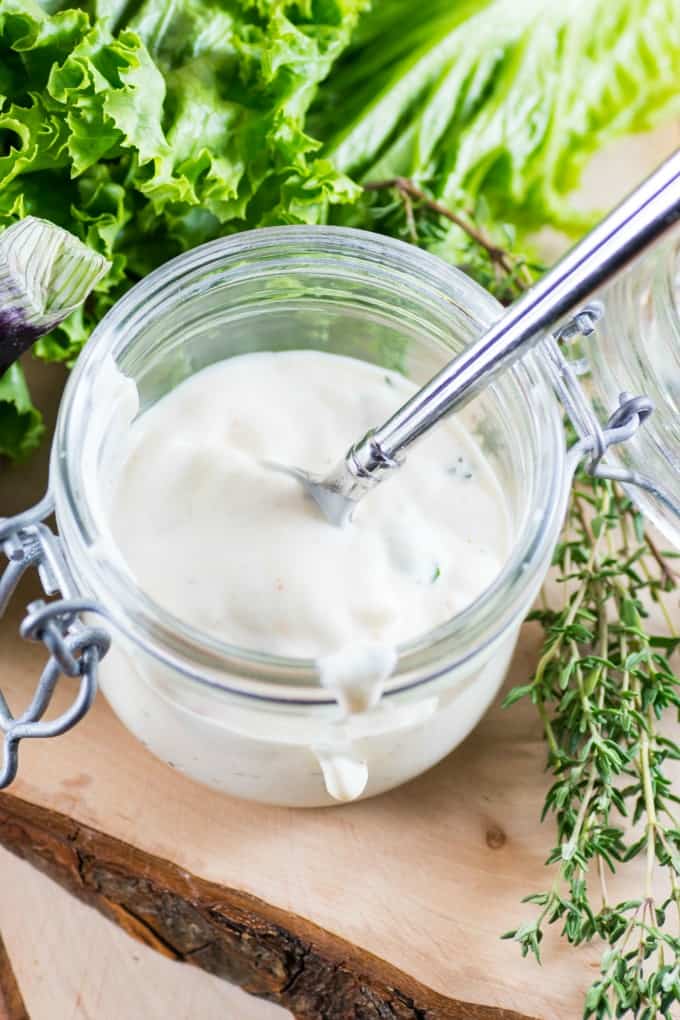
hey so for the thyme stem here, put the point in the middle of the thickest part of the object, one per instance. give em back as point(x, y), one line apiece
point(409, 190)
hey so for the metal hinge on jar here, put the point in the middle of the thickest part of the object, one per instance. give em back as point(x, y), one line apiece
point(594, 438)
point(75, 648)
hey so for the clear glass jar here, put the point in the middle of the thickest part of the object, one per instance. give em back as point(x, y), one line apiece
point(637, 349)
point(247, 723)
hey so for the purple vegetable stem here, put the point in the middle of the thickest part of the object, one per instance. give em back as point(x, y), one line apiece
point(16, 336)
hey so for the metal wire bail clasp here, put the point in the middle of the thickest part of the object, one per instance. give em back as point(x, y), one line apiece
point(74, 647)
point(595, 438)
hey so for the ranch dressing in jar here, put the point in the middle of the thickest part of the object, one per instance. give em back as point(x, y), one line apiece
point(254, 647)
point(230, 546)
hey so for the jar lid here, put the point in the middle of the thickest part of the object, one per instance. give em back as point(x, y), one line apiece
point(636, 350)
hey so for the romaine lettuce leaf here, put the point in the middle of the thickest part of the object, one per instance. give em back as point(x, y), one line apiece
point(505, 99)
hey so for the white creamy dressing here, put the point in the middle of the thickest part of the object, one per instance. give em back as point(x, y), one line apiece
point(232, 547)
point(235, 549)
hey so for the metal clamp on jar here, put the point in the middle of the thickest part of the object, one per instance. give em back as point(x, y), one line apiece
point(261, 726)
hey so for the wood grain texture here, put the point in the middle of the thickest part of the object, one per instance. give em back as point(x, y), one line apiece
point(11, 1001)
point(267, 952)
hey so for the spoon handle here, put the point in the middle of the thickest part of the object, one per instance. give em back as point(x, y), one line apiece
point(640, 220)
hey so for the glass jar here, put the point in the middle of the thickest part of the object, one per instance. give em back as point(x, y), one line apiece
point(637, 349)
point(247, 723)
point(255, 725)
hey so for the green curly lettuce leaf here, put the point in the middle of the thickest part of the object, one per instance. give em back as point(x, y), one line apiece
point(21, 424)
point(192, 109)
point(155, 130)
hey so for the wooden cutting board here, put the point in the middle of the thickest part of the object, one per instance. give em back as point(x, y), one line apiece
point(72, 964)
point(12, 1006)
point(389, 908)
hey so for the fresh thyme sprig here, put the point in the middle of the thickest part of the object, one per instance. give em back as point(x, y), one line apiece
point(604, 690)
point(403, 209)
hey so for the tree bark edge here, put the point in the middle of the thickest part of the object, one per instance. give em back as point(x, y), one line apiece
point(269, 952)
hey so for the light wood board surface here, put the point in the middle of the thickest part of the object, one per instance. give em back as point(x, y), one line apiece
point(12, 1005)
point(426, 877)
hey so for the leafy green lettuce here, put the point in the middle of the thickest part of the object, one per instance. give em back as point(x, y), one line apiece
point(503, 101)
point(151, 133)
point(21, 424)
point(149, 126)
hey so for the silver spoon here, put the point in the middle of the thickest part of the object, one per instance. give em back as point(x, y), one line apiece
point(640, 220)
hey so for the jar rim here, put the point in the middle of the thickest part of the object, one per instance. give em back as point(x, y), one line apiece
point(209, 660)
